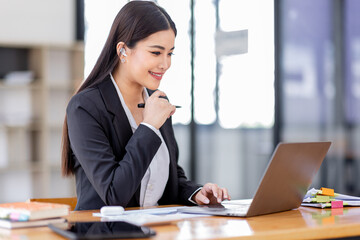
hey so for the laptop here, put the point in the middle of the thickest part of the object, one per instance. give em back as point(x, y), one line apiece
point(283, 186)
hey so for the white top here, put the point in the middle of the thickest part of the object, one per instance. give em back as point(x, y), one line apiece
point(156, 176)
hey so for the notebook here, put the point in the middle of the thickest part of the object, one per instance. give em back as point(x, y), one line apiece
point(283, 186)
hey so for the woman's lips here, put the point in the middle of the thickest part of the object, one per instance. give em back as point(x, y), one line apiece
point(157, 76)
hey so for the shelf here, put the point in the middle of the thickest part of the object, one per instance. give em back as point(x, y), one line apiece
point(34, 85)
point(77, 46)
point(28, 127)
point(31, 167)
point(60, 88)
point(31, 116)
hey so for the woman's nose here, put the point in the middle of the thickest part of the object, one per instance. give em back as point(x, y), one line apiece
point(165, 63)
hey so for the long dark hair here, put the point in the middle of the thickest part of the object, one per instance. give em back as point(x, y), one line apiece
point(134, 22)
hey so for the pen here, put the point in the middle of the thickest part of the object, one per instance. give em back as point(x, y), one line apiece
point(142, 105)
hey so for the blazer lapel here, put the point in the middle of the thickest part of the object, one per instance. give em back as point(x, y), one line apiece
point(114, 106)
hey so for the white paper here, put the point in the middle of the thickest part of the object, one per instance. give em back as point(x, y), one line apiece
point(149, 219)
point(151, 216)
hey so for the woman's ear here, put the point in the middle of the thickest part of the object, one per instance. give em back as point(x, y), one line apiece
point(120, 46)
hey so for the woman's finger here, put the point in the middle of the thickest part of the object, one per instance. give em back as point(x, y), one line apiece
point(220, 196)
point(202, 199)
point(215, 191)
point(226, 194)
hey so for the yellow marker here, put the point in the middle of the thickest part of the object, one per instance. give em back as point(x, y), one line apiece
point(327, 191)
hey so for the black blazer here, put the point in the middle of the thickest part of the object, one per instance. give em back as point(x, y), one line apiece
point(110, 161)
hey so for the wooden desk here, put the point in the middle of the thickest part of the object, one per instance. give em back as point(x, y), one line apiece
point(303, 223)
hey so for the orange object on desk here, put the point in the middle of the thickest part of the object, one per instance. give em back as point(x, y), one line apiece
point(327, 191)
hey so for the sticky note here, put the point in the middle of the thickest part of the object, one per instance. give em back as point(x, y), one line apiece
point(327, 191)
point(336, 204)
point(322, 199)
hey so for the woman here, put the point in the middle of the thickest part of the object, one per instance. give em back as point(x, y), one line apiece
point(122, 154)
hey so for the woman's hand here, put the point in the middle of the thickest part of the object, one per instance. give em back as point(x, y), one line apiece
point(211, 194)
point(157, 110)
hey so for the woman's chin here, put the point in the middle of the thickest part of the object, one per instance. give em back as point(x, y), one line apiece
point(152, 86)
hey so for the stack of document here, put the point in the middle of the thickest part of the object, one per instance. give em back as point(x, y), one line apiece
point(148, 217)
point(326, 198)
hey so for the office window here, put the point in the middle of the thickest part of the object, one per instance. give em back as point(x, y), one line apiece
point(352, 61)
point(308, 65)
point(205, 61)
point(246, 93)
point(232, 44)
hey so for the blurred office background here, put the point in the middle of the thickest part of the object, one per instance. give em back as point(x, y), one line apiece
point(247, 73)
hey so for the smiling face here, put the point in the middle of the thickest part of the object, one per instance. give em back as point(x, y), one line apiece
point(147, 62)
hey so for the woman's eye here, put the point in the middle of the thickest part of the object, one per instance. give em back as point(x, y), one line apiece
point(156, 53)
point(171, 54)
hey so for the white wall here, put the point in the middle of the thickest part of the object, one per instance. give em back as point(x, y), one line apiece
point(37, 21)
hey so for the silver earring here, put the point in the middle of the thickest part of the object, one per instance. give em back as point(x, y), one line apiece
point(123, 60)
point(122, 51)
